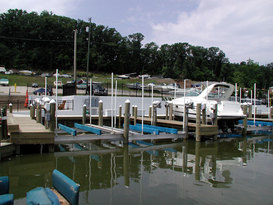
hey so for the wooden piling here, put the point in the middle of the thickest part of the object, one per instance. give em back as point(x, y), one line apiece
point(83, 114)
point(119, 116)
point(167, 111)
point(198, 123)
point(150, 111)
point(126, 121)
point(154, 115)
point(171, 112)
point(52, 122)
point(100, 123)
point(38, 116)
point(204, 115)
point(245, 120)
point(135, 115)
point(32, 111)
point(270, 112)
point(250, 111)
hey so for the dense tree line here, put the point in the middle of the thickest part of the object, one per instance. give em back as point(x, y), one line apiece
point(44, 42)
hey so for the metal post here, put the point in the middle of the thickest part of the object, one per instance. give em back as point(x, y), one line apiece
point(75, 55)
point(185, 121)
point(88, 54)
point(100, 113)
point(126, 121)
point(198, 123)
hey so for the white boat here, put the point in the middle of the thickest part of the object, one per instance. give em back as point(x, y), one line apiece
point(228, 112)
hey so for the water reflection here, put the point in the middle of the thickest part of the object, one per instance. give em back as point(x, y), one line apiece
point(137, 168)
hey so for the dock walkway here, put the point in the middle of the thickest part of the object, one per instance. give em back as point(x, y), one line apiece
point(23, 130)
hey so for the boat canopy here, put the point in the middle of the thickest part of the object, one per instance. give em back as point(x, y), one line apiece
point(218, 91)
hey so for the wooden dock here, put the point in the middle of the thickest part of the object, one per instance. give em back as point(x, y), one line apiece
point(23, 130)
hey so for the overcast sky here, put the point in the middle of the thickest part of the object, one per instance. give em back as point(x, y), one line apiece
point(243, 29)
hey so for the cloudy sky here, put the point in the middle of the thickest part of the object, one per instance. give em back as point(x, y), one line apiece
point(243, 29)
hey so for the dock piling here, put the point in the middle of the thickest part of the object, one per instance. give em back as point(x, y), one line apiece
point(38, 116)
point(171, 112)
point(52, 122)
point(185, 121)
point(10, 108)
point(204, 115)
point(100, 113)
point(135, 114)
point(250, 111)
point(245, 120)
point(167, 111)
point(119, 117)
point(32, 111)
point(84, 114)
point(126, 121)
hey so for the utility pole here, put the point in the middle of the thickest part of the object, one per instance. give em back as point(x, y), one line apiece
point(88, 53)
point(75, 54)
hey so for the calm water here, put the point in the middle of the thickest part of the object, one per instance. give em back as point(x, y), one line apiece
point(234, 171)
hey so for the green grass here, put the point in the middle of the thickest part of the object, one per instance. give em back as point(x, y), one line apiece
point(105, 79)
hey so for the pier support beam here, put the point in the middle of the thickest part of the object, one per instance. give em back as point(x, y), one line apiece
point(84, 114)
point(52, 122)
point(245, 120)
point(100, 113)
point(126, 121)
point(198, 123)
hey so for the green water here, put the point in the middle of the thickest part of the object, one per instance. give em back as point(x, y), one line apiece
point(232, 171)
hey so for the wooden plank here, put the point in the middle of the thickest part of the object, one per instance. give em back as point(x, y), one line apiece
point(145, 129)
point(87, 128)
point(67, 129)
point(161, 129)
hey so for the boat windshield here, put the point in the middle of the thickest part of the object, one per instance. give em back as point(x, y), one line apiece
point(218, 92)
point(193, 92)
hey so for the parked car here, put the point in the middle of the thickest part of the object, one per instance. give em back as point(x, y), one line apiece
point(4, 81)
point(35, 85)
point(97, 89)
point(41, 91)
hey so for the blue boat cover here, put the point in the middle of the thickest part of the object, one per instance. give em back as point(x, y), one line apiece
point(4, 185)
point(66, 186)
point(6, 199)
point(42, 196)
